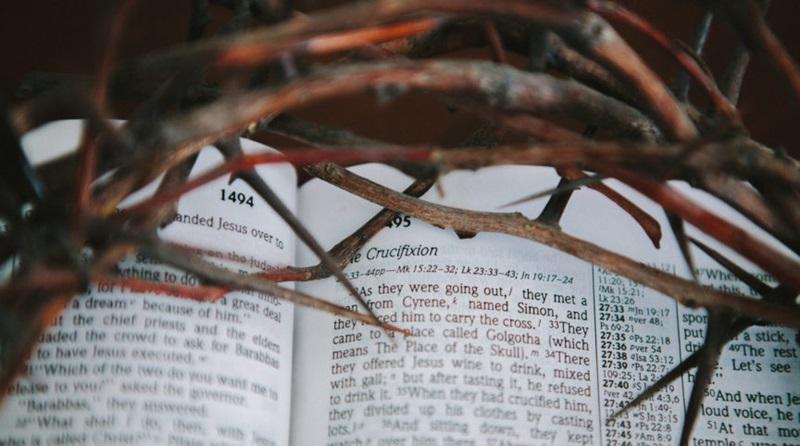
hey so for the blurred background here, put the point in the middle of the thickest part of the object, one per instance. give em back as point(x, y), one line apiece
point(70, 37)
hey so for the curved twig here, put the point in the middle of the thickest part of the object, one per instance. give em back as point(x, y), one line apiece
point(489, 84)
point(688, 293)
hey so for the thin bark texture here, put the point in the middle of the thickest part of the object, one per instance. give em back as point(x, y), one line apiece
point(256, 67)
point(518, 225)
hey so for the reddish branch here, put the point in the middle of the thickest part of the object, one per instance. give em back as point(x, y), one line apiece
point(785, 269)
point(573, 41)
point(616, 12)
point(198, 293)
point(297, 158)
point(584, 31)
point(232, 280)
point(750, 203)
point(748, 19)
point(495, 42)
point(231, 150)
point(487, 84)
point(326, 44)
point(685, 292)
point(349, 246)
point(586, 153)
point(647, 222)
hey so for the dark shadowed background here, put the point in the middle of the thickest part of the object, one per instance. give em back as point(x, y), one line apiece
point(69, 37)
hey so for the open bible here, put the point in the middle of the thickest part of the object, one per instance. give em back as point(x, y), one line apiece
point(514, 343)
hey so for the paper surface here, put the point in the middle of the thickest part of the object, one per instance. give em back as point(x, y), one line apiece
point(128, 368)
point(515, 342)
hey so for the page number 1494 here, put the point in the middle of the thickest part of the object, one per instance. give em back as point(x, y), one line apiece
point(236, 197)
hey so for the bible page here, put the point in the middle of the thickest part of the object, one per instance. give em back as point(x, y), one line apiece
point(121, 367)
point(516, 343)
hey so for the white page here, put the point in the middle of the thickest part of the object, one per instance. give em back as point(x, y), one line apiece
point(572, 346)
point(128, 368)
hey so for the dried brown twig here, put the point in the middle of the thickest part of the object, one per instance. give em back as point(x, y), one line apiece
point(582, 74)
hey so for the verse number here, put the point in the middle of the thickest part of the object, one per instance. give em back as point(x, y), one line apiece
point(400, 221)
point(236, 197)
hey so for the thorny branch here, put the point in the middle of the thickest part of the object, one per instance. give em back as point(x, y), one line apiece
point(520, 226)
point(582, 74)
